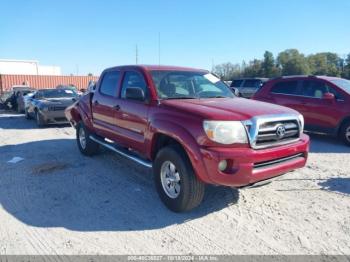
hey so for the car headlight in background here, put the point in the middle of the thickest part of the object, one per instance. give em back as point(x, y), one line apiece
point(225, 132)
point(301, 122)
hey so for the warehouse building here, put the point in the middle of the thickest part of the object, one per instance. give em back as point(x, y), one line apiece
point(31, 73)
point(27, 67)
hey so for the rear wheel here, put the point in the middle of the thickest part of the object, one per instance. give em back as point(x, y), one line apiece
point(177, 185)
point(345, 132)
point(86, 146)
point(39, 119)
point(26, 114)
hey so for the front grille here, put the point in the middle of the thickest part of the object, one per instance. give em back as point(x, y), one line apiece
point(273, 130)
point(268, 133)
point(57, 108)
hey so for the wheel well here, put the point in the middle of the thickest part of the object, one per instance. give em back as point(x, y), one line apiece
point(76, 116)
point(346, 119)
point(161, 141)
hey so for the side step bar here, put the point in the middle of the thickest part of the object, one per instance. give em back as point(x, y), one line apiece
point(123, 152)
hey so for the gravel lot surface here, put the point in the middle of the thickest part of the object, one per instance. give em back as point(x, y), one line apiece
point(56, 201)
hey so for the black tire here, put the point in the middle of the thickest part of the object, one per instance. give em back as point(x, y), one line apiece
point(26, 114)
point(39, 119)
point(91, 147)
point(191, 189)
point(345, 132)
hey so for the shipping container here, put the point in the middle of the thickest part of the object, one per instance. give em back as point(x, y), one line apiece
point(44, 81)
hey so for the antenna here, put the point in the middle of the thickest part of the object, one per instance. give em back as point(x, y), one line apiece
point(136, 54)
point(158, 48)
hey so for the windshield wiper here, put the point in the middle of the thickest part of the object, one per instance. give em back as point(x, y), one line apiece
point(181, 97)
point(217, 97)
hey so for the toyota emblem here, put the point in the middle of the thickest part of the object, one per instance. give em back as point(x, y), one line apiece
point(280, 131)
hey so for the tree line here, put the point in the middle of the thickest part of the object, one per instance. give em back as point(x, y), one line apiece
point(288, 62)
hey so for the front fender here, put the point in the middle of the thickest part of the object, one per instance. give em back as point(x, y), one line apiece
point(185, 139)
point(78, 112)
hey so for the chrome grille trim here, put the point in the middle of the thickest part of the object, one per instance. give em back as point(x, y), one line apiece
point(261, 130)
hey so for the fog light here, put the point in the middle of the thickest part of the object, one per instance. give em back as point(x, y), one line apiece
point(222, 165)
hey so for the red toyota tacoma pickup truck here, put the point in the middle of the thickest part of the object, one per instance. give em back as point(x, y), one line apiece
point(189, 128)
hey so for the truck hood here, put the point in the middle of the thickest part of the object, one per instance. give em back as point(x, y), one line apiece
point(58, 101)
point(226, 108)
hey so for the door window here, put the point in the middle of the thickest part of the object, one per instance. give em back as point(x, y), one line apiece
point(236, 83)
point(336, 94)
point(110, 83)
point(133, 79)
point(251, 83)
point(286, 87)
point(314, 89)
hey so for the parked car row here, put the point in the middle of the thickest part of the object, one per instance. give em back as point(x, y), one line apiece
point(323, 101)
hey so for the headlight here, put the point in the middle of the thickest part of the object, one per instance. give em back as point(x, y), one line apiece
point(225, 132)
point(44, 108)
point(301, 121)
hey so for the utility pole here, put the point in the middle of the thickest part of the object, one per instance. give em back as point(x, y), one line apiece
point(158, 48)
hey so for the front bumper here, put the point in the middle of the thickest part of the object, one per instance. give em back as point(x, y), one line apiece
point(247, 166)
point(54, 117)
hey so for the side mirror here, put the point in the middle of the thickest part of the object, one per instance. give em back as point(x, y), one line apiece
point(135, 93)
point(235, 91)
point(328, 96)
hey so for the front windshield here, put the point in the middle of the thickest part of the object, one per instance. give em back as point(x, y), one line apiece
point(343, 84)
point(189, 85)
point(58, 93)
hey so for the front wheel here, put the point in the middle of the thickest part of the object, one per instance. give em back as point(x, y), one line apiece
point(345, 132)
point(39, 119)
point(177, 185)
point(86, 146)
point(26, 114)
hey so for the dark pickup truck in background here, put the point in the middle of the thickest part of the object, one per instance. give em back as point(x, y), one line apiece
point(189, 127)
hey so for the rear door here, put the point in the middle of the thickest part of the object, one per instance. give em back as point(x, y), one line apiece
point(286, 93)
point(104, 104)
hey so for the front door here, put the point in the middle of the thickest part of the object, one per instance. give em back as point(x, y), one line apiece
point(132, 117)
point(318, 112)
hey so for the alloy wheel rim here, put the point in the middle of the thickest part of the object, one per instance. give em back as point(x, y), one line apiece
point(347, 133)
point(170, 179)
point(82, 138)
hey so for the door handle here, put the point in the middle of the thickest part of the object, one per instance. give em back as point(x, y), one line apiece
point(116, 107)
